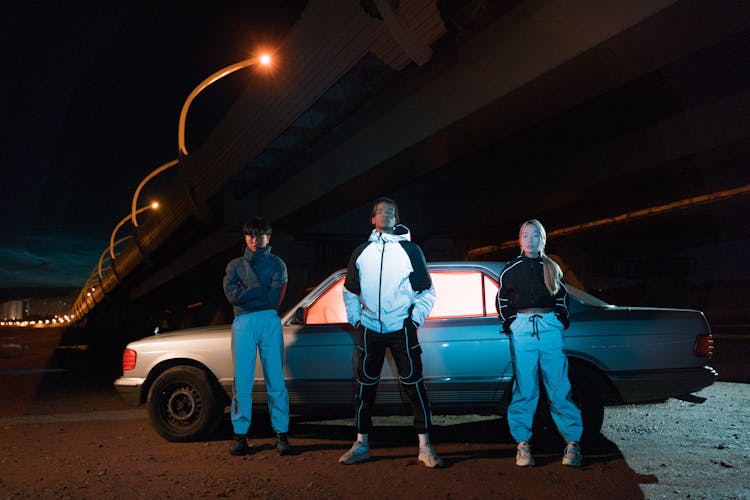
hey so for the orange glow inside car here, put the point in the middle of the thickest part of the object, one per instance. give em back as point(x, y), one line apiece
point(458, 294)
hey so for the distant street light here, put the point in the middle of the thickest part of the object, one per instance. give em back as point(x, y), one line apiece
point(263, 60)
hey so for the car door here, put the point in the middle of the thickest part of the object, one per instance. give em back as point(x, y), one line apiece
point(319, 354)
point(465, 355)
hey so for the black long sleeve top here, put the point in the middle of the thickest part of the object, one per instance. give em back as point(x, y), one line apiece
point(522, 287)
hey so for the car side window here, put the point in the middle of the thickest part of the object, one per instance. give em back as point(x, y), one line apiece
point(463, 294)
point(329, 307)
point(490, 296)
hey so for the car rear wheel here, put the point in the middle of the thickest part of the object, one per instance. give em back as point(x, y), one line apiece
point(589, 402)
point(585, 395)
point(584, 382)
point(183, 404)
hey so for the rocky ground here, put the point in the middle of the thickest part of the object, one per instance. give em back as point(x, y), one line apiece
point(67, 436)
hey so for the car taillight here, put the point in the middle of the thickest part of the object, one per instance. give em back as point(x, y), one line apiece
point(128, 359)
point(704, 346)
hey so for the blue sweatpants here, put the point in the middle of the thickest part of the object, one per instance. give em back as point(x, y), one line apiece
point(252, 333)
point(537, 343)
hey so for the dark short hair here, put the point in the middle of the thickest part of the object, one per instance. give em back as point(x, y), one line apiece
point(255, 226)
point(384, 199)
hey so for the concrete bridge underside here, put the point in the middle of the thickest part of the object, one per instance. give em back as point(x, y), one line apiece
point(474, 118)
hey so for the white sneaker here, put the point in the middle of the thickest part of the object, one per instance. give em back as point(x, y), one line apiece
point(572, 455)
point(428, 456)
point(523, 455)
point(358, 453)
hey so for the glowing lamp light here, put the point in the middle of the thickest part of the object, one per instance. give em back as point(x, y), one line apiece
point(264, 60)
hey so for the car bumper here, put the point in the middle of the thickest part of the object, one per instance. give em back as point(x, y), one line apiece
point(130, 389)
point(655, 385)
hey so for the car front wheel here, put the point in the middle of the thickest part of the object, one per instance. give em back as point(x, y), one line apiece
point(183, 404)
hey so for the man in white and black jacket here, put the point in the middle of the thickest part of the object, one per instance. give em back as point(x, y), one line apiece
point(388, 294)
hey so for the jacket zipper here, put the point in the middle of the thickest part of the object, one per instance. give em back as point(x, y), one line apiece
point(380, 285)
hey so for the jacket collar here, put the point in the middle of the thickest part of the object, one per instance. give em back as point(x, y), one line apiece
point(249, 255)
point(401, 233)
point(533, 259)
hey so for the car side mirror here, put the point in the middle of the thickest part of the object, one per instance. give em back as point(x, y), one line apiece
point(300, 315)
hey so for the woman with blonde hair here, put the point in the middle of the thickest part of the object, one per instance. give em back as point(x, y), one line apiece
point(533, 306)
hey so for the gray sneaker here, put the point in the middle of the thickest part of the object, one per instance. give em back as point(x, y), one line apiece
point(523, 455)
point(239, 445)
point(282, 444)
point(358, 453)
point(428, 456)
point(572, 455)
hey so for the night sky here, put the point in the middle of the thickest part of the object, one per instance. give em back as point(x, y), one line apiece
point(91, 98)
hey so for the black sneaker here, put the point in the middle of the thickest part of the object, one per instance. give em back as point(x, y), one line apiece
point(282, 443)
point(239, 445)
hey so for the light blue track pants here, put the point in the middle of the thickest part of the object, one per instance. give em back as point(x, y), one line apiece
point(253, 333)
point(537, 343)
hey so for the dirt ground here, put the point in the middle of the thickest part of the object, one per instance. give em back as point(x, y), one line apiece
point(68, 435)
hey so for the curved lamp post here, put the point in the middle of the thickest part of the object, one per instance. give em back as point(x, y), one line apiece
point(135, 211)
point(152, 206)
point(100, 267)
point(264, 60)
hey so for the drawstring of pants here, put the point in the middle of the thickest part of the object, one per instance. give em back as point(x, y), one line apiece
point(534, 320)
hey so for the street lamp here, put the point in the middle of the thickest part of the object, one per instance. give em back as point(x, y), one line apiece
point(263, 60)
point(133, 210)
point(152, 206)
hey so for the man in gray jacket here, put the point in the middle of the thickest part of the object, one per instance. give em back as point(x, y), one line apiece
point(255, 285)
point(388, 294)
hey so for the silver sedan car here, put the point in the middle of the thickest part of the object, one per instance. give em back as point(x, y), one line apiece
point(617, 355)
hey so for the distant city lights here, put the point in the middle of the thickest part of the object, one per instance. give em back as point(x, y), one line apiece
point(55, 321)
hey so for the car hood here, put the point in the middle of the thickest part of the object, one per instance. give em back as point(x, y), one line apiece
point(188, 333)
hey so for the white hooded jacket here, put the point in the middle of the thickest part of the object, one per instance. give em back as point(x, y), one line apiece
point(387, 282)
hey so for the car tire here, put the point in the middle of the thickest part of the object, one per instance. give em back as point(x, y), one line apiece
point(183, 404)
point(585, 395)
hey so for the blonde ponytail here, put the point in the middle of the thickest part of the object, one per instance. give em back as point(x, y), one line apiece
point(552, 274)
